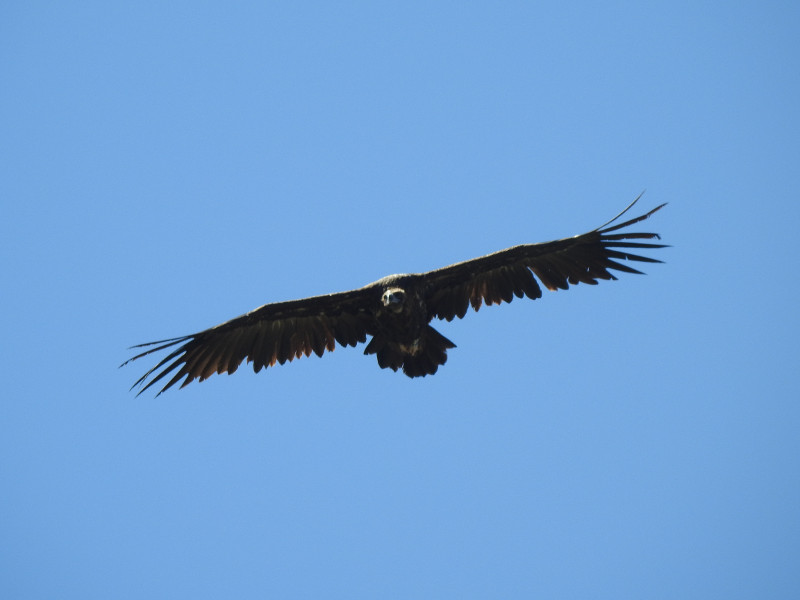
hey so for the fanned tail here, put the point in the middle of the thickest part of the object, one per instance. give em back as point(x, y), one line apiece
point(422, 357)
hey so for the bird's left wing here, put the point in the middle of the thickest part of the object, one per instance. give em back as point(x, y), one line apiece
point(498, 277)
point(272, 333)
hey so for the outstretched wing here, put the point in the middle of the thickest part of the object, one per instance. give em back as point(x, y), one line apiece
point(271, 333)
point(498, 277)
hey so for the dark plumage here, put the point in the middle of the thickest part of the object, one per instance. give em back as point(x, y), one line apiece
point(396, 310)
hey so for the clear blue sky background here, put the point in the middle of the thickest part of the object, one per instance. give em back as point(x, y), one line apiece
point(167, 166)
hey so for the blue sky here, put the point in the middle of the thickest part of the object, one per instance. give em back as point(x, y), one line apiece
point(168, 166)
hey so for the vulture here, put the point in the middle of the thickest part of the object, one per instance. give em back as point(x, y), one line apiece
point(396, 311)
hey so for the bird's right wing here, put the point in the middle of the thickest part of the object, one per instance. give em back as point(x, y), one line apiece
point(277, 332)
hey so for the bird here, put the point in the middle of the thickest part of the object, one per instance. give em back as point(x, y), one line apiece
point(396, 311)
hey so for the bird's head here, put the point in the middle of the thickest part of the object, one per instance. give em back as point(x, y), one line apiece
point(393, 299)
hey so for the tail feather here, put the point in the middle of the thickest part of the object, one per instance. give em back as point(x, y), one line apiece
point(424, 358)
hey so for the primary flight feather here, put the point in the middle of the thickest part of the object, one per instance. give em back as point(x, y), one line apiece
point(396, 311)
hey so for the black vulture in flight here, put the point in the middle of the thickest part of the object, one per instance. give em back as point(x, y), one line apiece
point(396, 310)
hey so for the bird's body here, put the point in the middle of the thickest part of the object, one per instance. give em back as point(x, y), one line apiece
point(403, 336)
point(397, 310)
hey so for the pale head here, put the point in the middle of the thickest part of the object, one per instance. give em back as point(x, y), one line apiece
point(393, 299)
